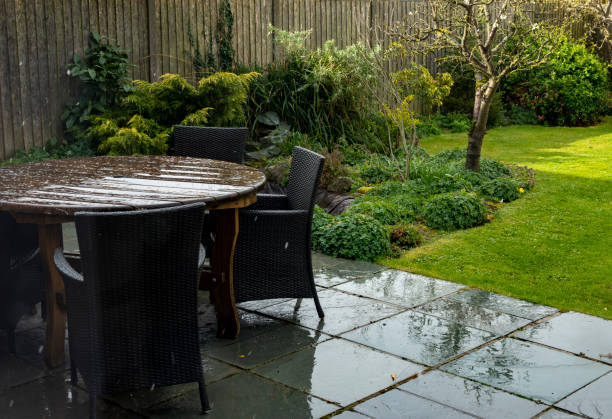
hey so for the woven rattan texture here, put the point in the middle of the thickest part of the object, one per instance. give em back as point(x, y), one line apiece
point(21, 273)
point(132, 320)
point(273, 258)
point(225, 144)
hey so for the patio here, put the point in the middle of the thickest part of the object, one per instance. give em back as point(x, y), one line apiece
point(393, 344)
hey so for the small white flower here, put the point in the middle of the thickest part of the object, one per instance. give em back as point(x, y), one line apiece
point(68, 72)
point(503, 17)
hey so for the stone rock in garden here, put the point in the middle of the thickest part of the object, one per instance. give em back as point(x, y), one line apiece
point(340, 184)
point(276, 173)
point(339, 204)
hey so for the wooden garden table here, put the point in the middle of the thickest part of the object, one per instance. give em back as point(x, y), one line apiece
point(49, 193)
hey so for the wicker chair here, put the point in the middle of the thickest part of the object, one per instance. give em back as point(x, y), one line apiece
point(132, 313)
point(21, 273)
point(215, 143)
point(272, 257)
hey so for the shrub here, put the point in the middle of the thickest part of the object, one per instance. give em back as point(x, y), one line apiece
point(226, 95)
point(318, 92)
point(492, 169)
point(571, 89)
point(405, 236)
point(129, 141)
point(521, 116)
point(104, 77)
point(456, 122)
point(446, 156)
point(386, 212)
point(377, 172)
point(389, 189)
point(454, 210)
point(523, 175)
point(501, 190)
point(320, 222)
point(353, 236)
point(198, 118)
point(332, 168)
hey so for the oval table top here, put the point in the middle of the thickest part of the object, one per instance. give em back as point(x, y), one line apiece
point(119, 183)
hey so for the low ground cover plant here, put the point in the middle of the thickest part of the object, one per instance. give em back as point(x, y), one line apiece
point(441, 194)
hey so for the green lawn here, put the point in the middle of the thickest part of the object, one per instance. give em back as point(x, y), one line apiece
point(552, 246)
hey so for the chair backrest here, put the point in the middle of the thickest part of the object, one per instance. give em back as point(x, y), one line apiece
point(215, 143)
point(140, 285)
point(304, 175)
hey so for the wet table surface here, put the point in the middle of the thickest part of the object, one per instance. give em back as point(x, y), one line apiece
point(50, 193)
point(118, 183)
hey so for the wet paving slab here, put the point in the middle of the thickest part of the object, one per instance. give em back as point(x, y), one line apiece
point(397, 404)
point(245, 396)
point(248, 353)
point(478, 317)
point(402, 288)
point(528, 369)
point(339, 371)
point(53, 397)
point(557, 414)
point(343, 312)
point(574, 332)
point(328, 276)
point(420, 337)
point(594, 400)
point(504, 304)
point(470, 396)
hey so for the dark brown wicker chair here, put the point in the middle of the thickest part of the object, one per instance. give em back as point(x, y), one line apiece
point(273, 257)
point(21, 273)
point(215, 143)
point(132, 313)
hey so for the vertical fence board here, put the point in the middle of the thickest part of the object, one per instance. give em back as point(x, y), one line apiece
point(6, 134)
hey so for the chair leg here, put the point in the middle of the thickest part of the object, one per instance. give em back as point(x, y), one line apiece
point(318, 305)
point(203, 396)
point(74, 378)
point(11, 341)
point(92, 405)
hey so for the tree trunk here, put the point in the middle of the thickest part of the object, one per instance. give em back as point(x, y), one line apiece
point(482, 103)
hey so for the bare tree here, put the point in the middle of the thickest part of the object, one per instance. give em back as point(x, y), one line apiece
point(495, 38)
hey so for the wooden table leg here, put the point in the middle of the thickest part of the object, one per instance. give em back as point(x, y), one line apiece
point(226, 221)
point(49, 239)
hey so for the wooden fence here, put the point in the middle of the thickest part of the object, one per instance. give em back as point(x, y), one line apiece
point(39, 37)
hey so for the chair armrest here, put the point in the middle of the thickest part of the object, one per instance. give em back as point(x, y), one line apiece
point(271, 213)
point(64, 267)
point(270, 202)
point(201, 257)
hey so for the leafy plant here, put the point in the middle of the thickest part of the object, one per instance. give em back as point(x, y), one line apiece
point(571, 89)
point(103, 73)
point(129, 141)
point(226, 95)
point(501, 190)
point(352, 236)
point(386, 212)
point(405, 236)
point(456, 122)
point(454, 210)
point(198, 118)
point(333, 167)
point(225, 26)
point(318, 92)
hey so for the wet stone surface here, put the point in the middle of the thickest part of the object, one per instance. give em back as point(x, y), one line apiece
point(245, 396)
point(504, 304)
point(557, 414)
point(397, 404)
point(575, 332)
point(339, 371)
point(419, 337)
point(482, 318)
point(248, 353)
point(400, 288)
point(472, 397)
point(343, 312)
point(53, 397)
point(528, 369)
point(594, 400)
